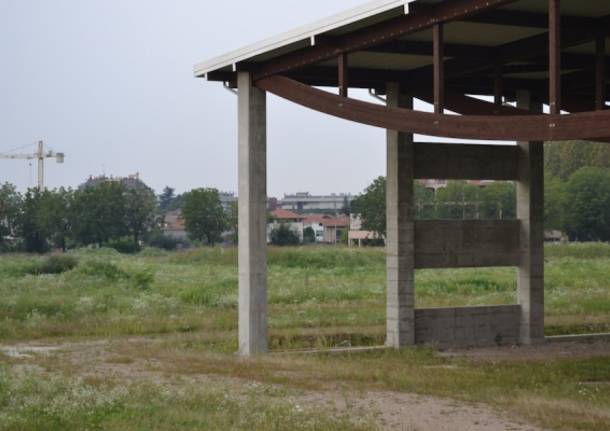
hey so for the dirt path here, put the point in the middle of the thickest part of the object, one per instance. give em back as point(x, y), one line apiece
point(407, 412)
point(391, 410)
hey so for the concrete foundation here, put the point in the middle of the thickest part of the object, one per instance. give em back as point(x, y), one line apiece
point(252, 217)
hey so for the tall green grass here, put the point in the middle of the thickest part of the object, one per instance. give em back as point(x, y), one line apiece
point(310, 287)
point(39, 401)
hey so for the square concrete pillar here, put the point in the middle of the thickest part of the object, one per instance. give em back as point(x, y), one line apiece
point(252, 217)
point(530, 211)
point(400, 234)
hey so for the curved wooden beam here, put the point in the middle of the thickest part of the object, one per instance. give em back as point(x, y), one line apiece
point(588, 125)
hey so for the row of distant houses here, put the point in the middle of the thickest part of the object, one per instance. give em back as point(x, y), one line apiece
point(328, 229)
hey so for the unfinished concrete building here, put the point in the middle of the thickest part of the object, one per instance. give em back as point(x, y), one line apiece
point(522, 55)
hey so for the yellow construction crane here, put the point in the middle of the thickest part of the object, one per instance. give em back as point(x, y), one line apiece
point(39, 155)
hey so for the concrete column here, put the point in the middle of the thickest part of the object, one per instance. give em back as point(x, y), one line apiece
point(400, 229)
point(530, 211)
point(252, 217)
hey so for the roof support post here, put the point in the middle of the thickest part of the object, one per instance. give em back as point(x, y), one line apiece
point(343, 75)
point(530, 212)
point(252, 122)
point(400, 236)
point(600, 72)
point(439, 68)
point(498, 86)
point(555, 56)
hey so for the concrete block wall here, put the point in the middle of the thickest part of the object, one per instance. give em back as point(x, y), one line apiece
point(466, 243)
point(468, 326)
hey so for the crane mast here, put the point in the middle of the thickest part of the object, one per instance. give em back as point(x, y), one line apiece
point(39, 155)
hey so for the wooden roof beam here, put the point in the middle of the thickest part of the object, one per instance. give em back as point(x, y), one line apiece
point(522, 49)
point(529, 19)
point(413, 47)
point(377, 34)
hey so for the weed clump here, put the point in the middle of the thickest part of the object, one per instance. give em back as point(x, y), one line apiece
point(139, 278)
point(56, 264)
point(104, 269)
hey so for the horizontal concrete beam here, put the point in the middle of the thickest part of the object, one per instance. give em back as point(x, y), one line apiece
point(466, 244)
point(466, 162)
point(468, 326)
point(579, 338)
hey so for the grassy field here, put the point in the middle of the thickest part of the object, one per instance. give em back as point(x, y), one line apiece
point(179, 311)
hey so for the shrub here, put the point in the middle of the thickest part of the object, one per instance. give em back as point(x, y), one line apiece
point(123, 245)
point(165, 242)
point(56, 264)
point(100, 268)
point(309, 235)
point(283, 236)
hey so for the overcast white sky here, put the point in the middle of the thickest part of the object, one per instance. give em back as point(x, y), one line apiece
point(109, 82)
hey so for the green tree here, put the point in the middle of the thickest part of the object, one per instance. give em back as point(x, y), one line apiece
point(371, 206)
point(283, 236)
point(204, 216)
point(553, 197)
point(424, 202)
point(498, 201)
point(233, 221)
point(10, 207)
point(562, 159)
point(54, 216)
point(166, 199)
point(458, 201)
point(140, 206)
point(98, 213)
point(44, 221)
point(586, 205)
point(30, 229)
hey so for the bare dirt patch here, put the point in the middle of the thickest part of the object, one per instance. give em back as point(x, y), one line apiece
point(390, 410)
point(407, 412)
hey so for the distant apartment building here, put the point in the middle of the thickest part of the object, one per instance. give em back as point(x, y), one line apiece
point(229, 198)
point(308, 203)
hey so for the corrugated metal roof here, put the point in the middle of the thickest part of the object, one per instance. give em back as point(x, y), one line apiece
point(302, 37)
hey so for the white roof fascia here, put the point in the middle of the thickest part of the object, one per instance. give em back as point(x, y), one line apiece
point(308, 32)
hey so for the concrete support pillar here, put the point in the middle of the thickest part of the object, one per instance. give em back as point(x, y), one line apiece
point(530, 211)
point(400, 229)
point(252, 217)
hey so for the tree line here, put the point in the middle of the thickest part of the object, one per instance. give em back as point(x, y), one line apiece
point(108, 214)
point(577, 202)
point(577, 195)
